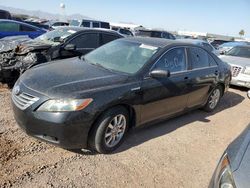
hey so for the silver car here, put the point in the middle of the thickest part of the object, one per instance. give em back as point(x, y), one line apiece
point(239, 60)
point(225, 47)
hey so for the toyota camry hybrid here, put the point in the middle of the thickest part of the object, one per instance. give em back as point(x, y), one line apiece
point(92, 101)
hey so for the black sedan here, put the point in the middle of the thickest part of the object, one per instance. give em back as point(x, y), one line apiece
point(64, 42)
point(233, 170)
point(91, 102)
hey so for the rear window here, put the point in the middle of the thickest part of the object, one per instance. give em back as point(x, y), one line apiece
point(105, 25)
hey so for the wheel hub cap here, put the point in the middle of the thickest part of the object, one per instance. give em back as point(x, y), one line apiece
point(115, 130)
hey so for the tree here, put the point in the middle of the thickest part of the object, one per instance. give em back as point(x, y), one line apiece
point(242, 33)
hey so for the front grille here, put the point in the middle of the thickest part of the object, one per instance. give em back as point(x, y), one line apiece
point(24, 100)
point(235, 70)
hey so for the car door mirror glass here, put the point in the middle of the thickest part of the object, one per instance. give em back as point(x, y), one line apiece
point(158, 73)
point(70, 47)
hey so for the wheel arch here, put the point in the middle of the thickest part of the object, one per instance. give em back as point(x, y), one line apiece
point(129, 108)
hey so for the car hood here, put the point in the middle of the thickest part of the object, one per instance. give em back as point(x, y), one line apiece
point(241, 61)
point(239, 150)
point(22, 45)
point(239, 157)
point(69, 77)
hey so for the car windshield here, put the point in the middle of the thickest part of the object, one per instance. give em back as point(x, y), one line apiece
point(123, 56)
point(239, 52)
point(74, 23)
point(230, 44)
point(57, 36)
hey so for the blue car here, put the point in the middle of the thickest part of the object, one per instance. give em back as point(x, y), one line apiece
point(14, 28)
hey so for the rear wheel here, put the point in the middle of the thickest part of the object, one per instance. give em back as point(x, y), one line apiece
point(213, 99)
point(109, 131)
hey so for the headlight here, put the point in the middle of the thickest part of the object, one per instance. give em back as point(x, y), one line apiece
point(247, 70)
point(64, 105)
point(223, 176)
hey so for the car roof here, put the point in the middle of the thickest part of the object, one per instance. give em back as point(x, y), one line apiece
point(77, 28)
point(157, 42)
point(90, 20)
point(193, 41)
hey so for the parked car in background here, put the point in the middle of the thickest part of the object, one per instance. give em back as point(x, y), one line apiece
point(5, 14)
point(90, 24)
point(91, 102)
point(216, 43)
point(239, 60)
point(15, 28)
point(122, 31)
point(155, 34)
point(233, 169)
point(202, 43)
point(64, 42)
point(225, 47)
point(37, 24)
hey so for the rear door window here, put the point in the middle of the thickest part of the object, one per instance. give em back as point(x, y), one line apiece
point(174, 61)
point(105, 38)
point(198, 58)
point(87, 40)
point(95, 24)
point(85, 24)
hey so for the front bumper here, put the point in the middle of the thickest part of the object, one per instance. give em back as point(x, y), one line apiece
point(241, 80)
point(68, 130)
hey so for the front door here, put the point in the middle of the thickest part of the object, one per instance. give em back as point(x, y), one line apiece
point(163, 97)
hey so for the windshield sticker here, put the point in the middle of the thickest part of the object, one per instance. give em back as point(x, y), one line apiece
point(63, 37)
point(148, 47)
point(71, 31)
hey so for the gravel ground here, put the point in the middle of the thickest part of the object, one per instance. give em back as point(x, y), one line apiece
point(181, 152)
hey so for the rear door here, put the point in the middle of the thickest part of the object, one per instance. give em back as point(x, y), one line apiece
point(163, 97)
point(85, 43)
point(204, 75)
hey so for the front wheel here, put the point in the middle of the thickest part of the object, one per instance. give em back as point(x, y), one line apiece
point(109, 131)
point(213, 99)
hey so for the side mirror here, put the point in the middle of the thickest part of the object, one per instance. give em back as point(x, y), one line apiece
point(70, 47)
point(248, 94)
point(159, 73)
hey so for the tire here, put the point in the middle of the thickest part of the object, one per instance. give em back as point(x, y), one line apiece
point(102, 131)
point(213, 99)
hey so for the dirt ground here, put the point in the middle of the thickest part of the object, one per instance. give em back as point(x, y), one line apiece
point(181, 152)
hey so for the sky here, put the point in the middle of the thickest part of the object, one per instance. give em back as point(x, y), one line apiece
point(225, 17)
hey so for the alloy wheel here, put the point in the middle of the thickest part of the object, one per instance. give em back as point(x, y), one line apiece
point(115, 130)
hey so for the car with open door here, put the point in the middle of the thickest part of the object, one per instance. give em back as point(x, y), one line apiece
point(91, 102)
point(64, 42)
